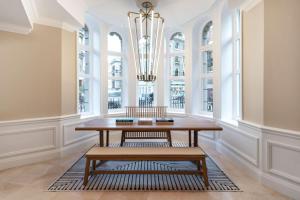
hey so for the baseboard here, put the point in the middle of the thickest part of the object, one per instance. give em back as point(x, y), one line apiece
point(282, 186)
point(239, 160)
point(26, 159)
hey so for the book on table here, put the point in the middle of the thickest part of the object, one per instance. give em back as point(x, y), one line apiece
point(124, 121)
point(164, 121)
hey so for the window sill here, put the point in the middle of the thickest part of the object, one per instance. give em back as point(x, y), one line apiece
point(88, 116)
point(230, 122)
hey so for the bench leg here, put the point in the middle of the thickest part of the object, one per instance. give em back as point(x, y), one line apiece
point(169, 138)
point(87, 171)
point(204, 172)
point(107, 138)
point(190, 138)
point(195, 138)
point(122, 138)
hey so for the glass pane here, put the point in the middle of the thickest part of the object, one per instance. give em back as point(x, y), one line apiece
point(84, 62)
point(207, 95)
point(238, 55)
point(177, 42)
point(238, 21)
point(84, 95)
point(238, 95)
point(177, 88)
point(207, 34)
point(114, 42)
point(207, 62)
point(145, 93)
point(114, 94)
point(83, 36)
point(114, 66)
point(177, 66)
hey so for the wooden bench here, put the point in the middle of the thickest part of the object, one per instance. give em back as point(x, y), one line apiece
point(146, 154)
point(146, 112)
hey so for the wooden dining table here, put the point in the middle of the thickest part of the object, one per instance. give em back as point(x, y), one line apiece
point(180, 124)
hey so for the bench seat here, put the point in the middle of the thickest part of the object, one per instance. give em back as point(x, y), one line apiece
point(146, 154)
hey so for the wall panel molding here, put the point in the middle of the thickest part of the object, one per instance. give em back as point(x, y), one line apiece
point(270, 156)
point(28, 141)
point(279, 155)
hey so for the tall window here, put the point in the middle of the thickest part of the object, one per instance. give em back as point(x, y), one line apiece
point(206, 72)
point(236, 64)
point(176, 72)
point(231, 67)
point(84, 71)
point(115, 72)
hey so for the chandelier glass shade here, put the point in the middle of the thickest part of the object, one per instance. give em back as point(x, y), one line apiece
point(146, 34)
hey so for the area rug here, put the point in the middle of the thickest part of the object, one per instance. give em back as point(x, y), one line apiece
point(72, 179)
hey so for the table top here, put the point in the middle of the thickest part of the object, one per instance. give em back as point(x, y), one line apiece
point(184, 123)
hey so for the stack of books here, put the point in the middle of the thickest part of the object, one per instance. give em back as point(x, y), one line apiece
point(145, 121)
point(124, 121)
point(164, 121)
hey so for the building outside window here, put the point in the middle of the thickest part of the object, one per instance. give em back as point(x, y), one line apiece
point(84, 71)
point(206, 72)
point(115, 72)
point(145, 94)
point(176, 72)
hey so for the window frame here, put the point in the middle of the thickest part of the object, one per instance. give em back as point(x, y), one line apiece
point(170, 55)
point(237, 66)
point(205, 75)
point(119, 78)
point(83, 76)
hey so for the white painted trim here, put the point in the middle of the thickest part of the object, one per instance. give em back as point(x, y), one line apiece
point(14, 28)
point(38, 120)
point(281, 132)
point(248, 5)
point(282, 174)
point(56, 24)
point(239, 153)
point(280, 181)
point(67, 143)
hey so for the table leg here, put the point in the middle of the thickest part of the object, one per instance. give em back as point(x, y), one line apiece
point(101, 142)
point(195, 138)
point(107, 138)
point(190, 138)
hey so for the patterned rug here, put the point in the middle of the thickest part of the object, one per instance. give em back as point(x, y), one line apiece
point(72, 179)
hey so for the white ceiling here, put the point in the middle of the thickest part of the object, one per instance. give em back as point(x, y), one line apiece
point(13, 16)
point(19, 15)
point(176, 12)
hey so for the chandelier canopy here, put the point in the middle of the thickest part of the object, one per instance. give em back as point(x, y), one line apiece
point(146, 34)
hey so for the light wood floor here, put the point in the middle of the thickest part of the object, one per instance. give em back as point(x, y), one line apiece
point(30, 182)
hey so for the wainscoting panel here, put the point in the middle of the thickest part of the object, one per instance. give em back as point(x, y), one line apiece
point(209, 135)
point(274, 153)
point(70, 136)
point(34, 140)
point(246, 145)
point(19, 142)
point(283, 160)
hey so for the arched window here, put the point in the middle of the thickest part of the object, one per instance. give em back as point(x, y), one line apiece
point(84, 71)
point(207, 34)
point(114, 42)
point(176, 72)
point(115, 72)
point(206, 72)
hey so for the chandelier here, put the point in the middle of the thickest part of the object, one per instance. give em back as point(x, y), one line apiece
point(146, 34)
